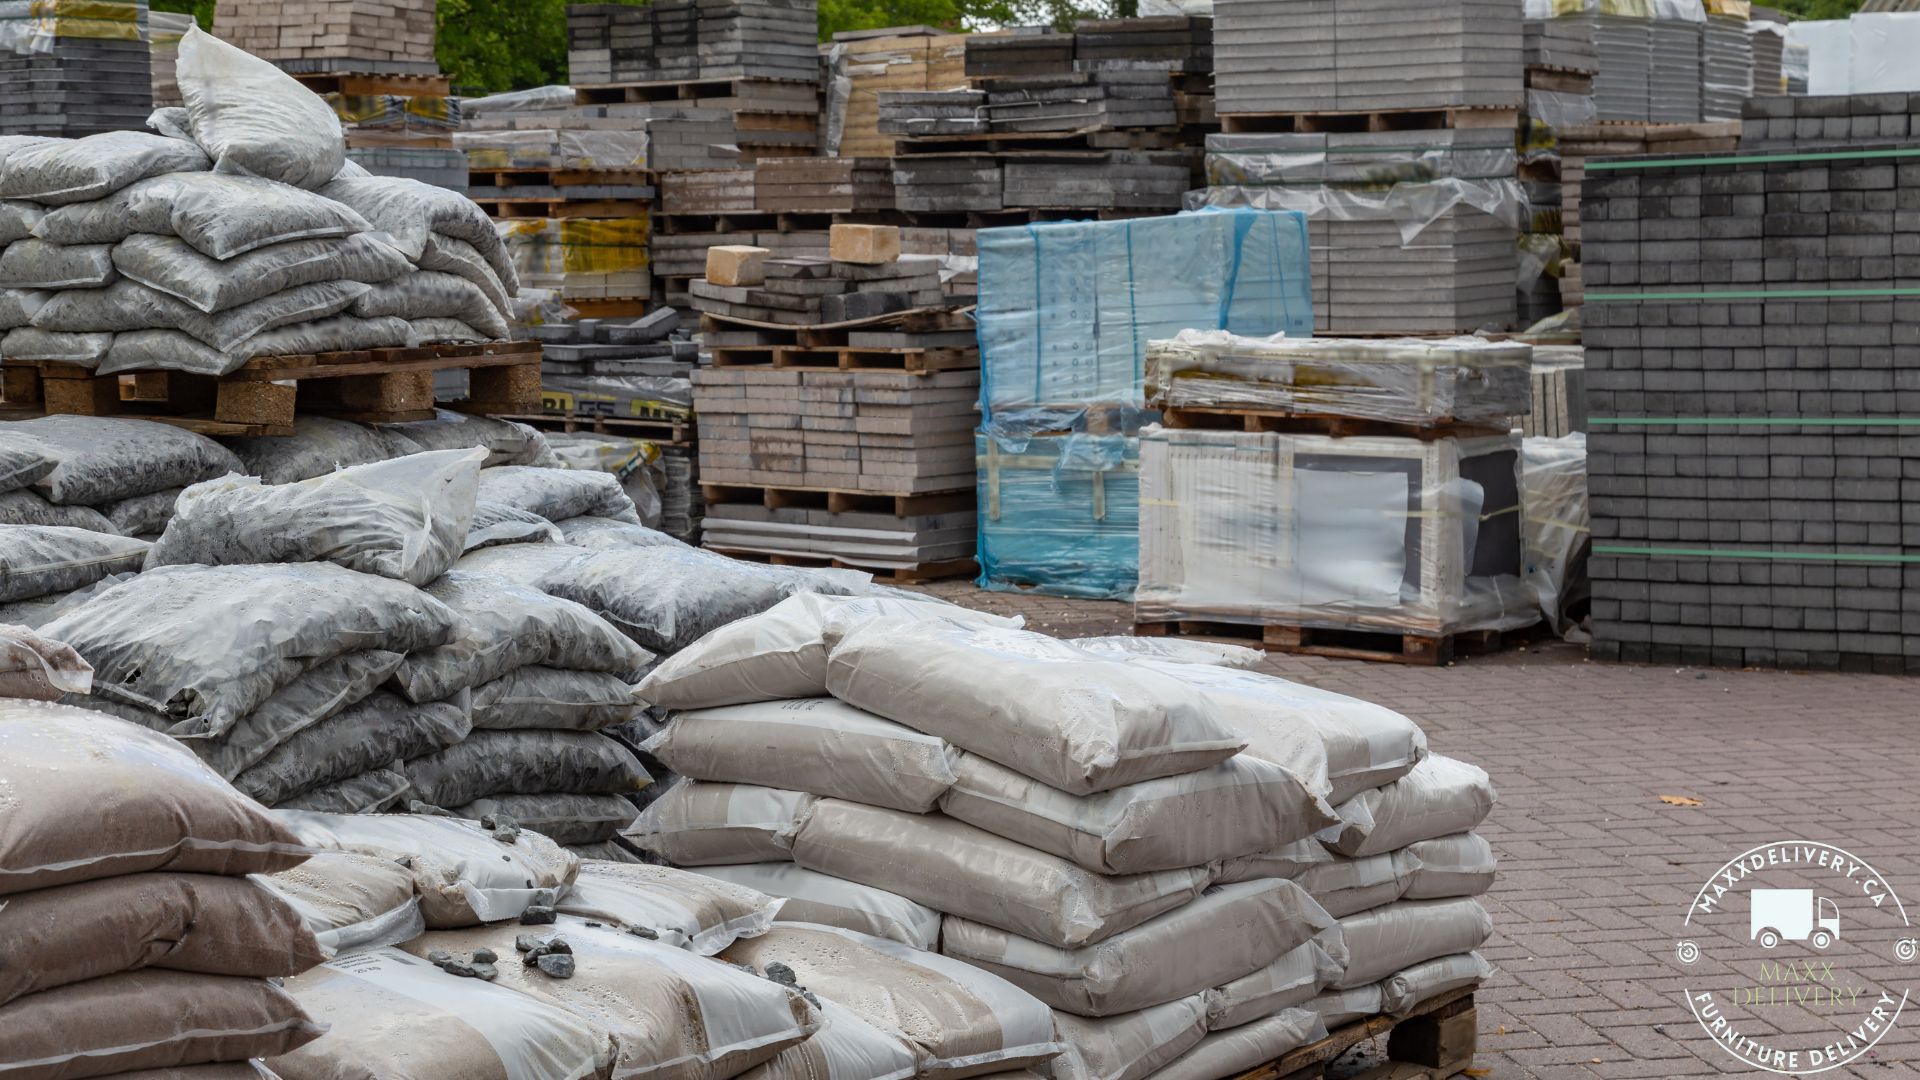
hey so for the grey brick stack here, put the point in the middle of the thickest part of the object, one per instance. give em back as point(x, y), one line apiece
point(1794, 542)
point(75, 73)
point(1840, 120)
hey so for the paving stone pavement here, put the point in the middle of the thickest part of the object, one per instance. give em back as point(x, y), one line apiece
point(1596, 873)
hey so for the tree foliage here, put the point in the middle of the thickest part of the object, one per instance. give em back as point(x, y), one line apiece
point(201, 10)
point(1817, 9)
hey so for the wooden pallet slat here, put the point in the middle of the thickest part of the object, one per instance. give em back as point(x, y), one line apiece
point(1222, 418)
point(1413, 647)
point(1354, 120)
point(841, 500)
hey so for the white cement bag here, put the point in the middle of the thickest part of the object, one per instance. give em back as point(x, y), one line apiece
point(366, 736)
point(968, 872)
point(506, 442)
point(142, 515)
point(253, 118)
point(36, 560)
point(1346, 886)
point(1079, 722)
point(845, 1047)
point(1234, 1051)
point(697, 912)
point(221, 216)
point(430, 294)
point(1388, 939)
point(817, 745)
point(1290, 981)
point(505, 626)
point(34, 668)
point(544, 697)
point(1176, 650)
point(32, 343)
point(525, 763)
point(777, 654)
point(404, 519)
point(1239, 807)
point(105, 458)
point(813, 897)
point(411, 211)
point(464, 876)
point(18, 306)
point(322, 692)
point(697, 824)
point(1440, 796)
point(1405, 990)
point(455, 256)
point(318, 446)
point(1129, 1047)
point(565, 818)
point(28, 508)
point(209, 644)
point(55, 174)
point(381, 791)
point(351, 901)
point(962, 1021)
point(17, 220)
point(558, 494)
point(673, 1015)
point(391, 1016)
point(1230, 931)
point(172, 266)
point(36, 264)
point(1340, 1007)
point(1459, 865)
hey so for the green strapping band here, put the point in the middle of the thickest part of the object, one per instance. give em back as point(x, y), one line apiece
point(1721, 553)
point(1753, 159)
point(1756, 294)
point(1755, 421)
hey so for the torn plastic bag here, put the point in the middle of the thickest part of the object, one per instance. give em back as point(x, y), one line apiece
point(103, 459)
point(1129, 1047)
point(1175, 650)
point(1405, 989)
point(562, 817)
point(209, 644)
point(969, 872)
point(525, 763)
point(778, 654)
point(1440, 796)
point(1293, 980)
point(396, 1017)
point(558, 494)
point(818, 745)
point(409, 211)
point(506, 442)
point(36, 264)
point(404, 519)
point(1236, 1050)
point(696, 824)
point(221, 216)
point(17, 220)
point(455, 256)
point(1459, 865)
point(844, 1047)
point(142, 515)
point(962, 1021)
point(450, 330)
point(464, 876)
point(505, 626)
point(690, 911)
point(36, 560)
point(600, 534)
point(174, 122)
point(497, 523)
point(1070, 718)
point(55, 174)
point(92, 796)
point(1400, 935)
point(426, 294)
point(365, 736)
point(253, 118)
point(1345, 886)
point(18, 306)
point(35, 668)
point(170, 265)
point(318, 446)
point(329, 687)
point(543, 697)
point(28, 508)
point(378, 792)
point(1230, 931)
point(350, 901)
point(813, 897)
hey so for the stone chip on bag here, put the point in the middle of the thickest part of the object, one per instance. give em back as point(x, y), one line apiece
point(1131, 1046)
point(687, 910)
point(350, 901)
point(813, 897)
point(1441, 796)
point(697, 824)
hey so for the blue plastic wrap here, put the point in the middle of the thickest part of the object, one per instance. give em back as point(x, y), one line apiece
point(1060, 514)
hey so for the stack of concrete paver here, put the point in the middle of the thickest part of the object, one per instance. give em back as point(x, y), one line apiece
point(1767, 36)
point(873, 62)
point(1560, 45)
point(1778, 543)
point(1850, 120)
point(1025, 51)
point(391, 36)
point(71, 69)
point(1625, 45)
point(1726, 60)
point(823, 185)
point(812, 292)
point(1674, 70)
point(672, 40)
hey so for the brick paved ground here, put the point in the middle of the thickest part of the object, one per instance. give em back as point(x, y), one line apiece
point(1596, 873)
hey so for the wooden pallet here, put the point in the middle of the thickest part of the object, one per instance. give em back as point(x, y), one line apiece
point(1018, 143)
point(891, 575)
point(357, 84)
point(840, 500)
point(1560, 80)
point(610, 307)
point(507, 209)
point(1437, 1040)
point(1367, 120)
point(669, 432)
point(1208, 418)
point(512, 178)
point(1380, 646)
point(263, 397)
point(623, 93)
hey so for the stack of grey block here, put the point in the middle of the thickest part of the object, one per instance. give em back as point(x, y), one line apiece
point(1726, 67)
point(671, 40)
point(1365, 55)
point(82, 85)
point(1621, 90)
point(1560, 45)
point(1786, 543)
point(1766, 35)
point(1777, 123)
point(1674, 77)
point(874, 541)
point(653, 345)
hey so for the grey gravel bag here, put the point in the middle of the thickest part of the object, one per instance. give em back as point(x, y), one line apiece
point(39, 559)
point(32, 343)
point(367, 735)
point(455, 256)
point(381, 791)
point(36, 264)
point(431, 294)
point(209, 644)
point(411, 211)
point(171, 350)
point(103, 459)
point(41, 610)
point(18, 306)
point(1440, 796)
point(318, 446)
point(172, 266)
point(562, 817)
point(525, 763)
point(1459, 865)
point(558, 494)
point(254, 118)
point(497, 523)
point(599, 534)
point(506, 442)
point(404, 519)
point(99, 165)
point(1293, 980)
point(554, 698)
point(142, 515)
point(17, 220)
point(1345, 886)
point(28, 508)
point(450, 330)
point(322, 692)
point(221, 216)
point(1405, 989)
point(127, 305)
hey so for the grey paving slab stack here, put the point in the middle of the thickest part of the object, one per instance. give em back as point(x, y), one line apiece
point(1767, 37)
point(1623, 89)
point(1769, 288)
point(321, 36)
point(1820, 122)
point(75, 71)
point(1674, 71)
point(689, 39)
point(1726, 62)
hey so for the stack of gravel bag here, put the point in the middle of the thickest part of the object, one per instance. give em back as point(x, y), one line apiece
point(35, 669)
point(107, 475)
point(133, 936)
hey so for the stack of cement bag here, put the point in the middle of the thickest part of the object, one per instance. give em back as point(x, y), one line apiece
point(101, 474)
point(237, 230)
point(134, 938)
point(1085, 825)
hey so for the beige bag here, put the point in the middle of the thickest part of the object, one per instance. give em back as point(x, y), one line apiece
point(1129, 1047)
point(696, 824)
point(1340, 1007)
point(812, 897)
point(181, 922)
point(673, 1015)
point(1398, 936)
point(1440, 796)
point(1073, 719)
point(844, 1048)
point(1345, 886)
point(1289, 861)
point(1236, 1050)
point(92, 796)
point(1292, 980)
point(779, 653)
point(817, 745)
point(463, 875)
point(1230, 931)
point(1406, 989)
point(147, 1020)
point(962, 1021)
point(33, 667)
point(683, 909)
point(351, 901)
point(1240, 806)
point(1459, 865)
point(972, 873)
point(391, 1016)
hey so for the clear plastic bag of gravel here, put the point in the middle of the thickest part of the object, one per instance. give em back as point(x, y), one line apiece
point(316, 695)
point(102, 459)
point(1129, 1047)
point(696, 824)
point(18, 306)
point(32, 667)
point(126, 305)
point(36, 264)
point(28, 508)
point(448, 330)
point(557, 698)
point(430, 294)
point(170, 265)
point(600, 534)
point(1440, 796)
point(813, 897)
point(350, 901)
point(41, 610)
point(558, 494)
point(94, 167)
point(367, 735)
point(209, 644)
point(495, 524)
point(680, 908)
point(381, 791)
point(1387, 939)
point(142, 515)
point(1236, 1050)
point(410, 212)
point(452, 255)
point(525, 763)
point(32, 343)
point(563, 817)
point(221, 216)
point(404, 519)
point(174, 350)
point(253, 118)
point(506, 442)
point(17, 220)
point(505, 626)
point(36, 560)
point(318, 446)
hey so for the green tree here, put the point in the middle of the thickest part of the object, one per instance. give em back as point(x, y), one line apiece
point(1817, 9)
point(201, 10)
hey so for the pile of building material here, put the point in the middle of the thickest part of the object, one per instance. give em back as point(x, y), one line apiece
point(746, 284)
point(1674, 67)
point(681, 40)
point(1726, 60)
point(835, 185)
point(581, 259)
point(1855, 120)
point(303, 36)
point(1561, 63)
point(1028, 50)
point(1795, 563)
point(70, 68)
point(864, 64)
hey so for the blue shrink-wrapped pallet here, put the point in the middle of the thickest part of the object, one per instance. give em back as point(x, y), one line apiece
point(1060, 513)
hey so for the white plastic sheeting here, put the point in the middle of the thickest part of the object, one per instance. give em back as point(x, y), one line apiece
point(255, 119)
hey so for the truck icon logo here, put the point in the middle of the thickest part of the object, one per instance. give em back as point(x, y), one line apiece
point(1793, 915)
